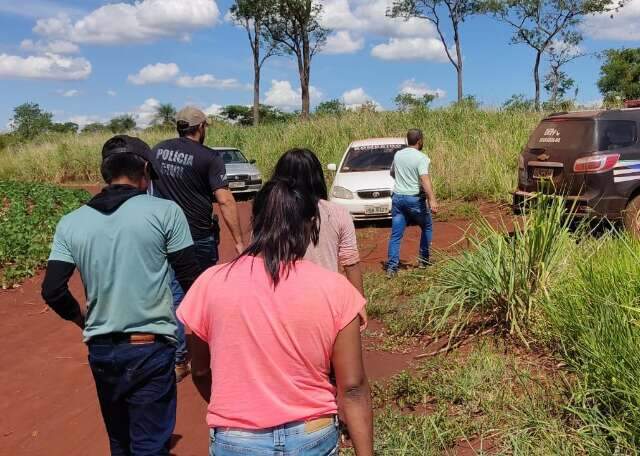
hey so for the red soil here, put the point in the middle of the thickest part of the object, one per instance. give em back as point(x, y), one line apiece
point(48, 404)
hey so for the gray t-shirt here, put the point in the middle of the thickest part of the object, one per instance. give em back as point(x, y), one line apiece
point(122, 258)
point(409, 165)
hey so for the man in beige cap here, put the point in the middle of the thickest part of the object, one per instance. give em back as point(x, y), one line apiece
point(194, 176)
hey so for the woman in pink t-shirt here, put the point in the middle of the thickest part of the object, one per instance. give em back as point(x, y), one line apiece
point(266, 329)
point(337, 246)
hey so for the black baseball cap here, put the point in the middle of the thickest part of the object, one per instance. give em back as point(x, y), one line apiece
point(123, 144)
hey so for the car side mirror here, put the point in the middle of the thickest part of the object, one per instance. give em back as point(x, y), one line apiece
point(252, 161)
point(332, 167)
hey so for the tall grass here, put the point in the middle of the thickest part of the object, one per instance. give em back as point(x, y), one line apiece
point(595, 315)
point(502, 276)
point(474, 153)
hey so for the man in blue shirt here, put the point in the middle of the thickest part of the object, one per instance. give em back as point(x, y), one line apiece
point(413, 189)
point(123, 242)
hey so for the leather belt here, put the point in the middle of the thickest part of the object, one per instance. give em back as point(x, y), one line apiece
point(127, 338)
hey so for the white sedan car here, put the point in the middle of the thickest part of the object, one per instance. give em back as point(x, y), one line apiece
point(363, 183)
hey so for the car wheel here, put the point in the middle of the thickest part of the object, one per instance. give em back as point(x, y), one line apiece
point(632, 217)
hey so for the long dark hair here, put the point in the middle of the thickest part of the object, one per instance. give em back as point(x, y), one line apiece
point(304, 168)
point(285, 221)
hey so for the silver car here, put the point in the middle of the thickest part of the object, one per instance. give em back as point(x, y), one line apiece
point(243, 175)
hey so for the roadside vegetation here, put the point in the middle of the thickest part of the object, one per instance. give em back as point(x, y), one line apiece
point(474, 152)
point(28, 217)
point(547, 317)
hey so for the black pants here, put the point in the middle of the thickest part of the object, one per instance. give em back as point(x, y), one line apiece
point(137, 392)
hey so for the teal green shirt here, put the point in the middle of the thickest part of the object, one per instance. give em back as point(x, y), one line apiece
point(408, 165)
point(122, 258)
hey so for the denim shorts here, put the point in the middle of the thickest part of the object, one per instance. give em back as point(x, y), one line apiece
point(288, 440)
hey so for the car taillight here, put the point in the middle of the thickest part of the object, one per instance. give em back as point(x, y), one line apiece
point(596, 163)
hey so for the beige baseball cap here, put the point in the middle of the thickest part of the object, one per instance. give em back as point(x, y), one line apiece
point(192, 116)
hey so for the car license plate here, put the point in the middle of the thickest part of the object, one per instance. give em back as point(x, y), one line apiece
point(542, 173)
point(376, 210)
point(237, 185)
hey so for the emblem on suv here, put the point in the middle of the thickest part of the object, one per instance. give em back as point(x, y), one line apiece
point(376, 194)
point(543, 157)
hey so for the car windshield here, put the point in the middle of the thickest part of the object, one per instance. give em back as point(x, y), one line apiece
point(370, 158)
point(230, 156)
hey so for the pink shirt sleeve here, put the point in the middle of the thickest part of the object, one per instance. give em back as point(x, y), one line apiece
point(194, 309)
point(348, 303)
point(348, 253)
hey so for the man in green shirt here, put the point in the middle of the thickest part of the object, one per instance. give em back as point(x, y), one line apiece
point(412, 190)
point(123, 243)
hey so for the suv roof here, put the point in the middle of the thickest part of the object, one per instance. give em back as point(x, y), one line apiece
point(612, 114)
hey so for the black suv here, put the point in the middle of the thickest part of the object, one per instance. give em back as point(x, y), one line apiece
point(591, 158)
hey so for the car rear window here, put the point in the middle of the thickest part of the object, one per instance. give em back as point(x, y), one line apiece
point(370, 158)
point(564, 135)
point(583, 136)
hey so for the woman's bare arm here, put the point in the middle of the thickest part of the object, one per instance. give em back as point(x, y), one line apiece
point(200, 364)
point(354, 395)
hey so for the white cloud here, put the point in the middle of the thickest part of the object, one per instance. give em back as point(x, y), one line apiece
point(343, 42)
point(154, 74)
point(55, 47)
point(213, 110)
point(83, 120)
point(355, 98)
point(411, 49)
point(282, 95)
point(419, 89)
point(48, 66)
point(69, 93)
point(142, 21)
point(146, 112)
point(112, 93)
point(207, 80)
point(624, 26)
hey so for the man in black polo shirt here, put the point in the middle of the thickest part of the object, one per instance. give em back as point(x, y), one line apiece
point(194, 176)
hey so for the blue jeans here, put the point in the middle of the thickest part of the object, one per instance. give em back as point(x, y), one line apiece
point(207, 256)
point(404, 210)
point(136, 387)
point(288, 440)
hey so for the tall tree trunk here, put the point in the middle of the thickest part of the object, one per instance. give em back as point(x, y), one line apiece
point(536, 79)
point(456, 39)
point(305, 71)
point(256, 73)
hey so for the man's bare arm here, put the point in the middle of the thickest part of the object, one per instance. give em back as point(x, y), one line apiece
point(427, 186)
point(229, 210)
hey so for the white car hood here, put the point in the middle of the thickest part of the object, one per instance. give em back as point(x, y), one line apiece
point(368, 180)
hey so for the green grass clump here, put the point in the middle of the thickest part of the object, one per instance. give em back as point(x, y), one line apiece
point(596, 317)
point(28, 217)
point(502, 276)
point(460, 142)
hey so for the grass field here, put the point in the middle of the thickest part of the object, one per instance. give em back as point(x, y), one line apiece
point(474, 153)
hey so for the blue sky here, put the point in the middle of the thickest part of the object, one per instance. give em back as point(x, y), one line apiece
point(89, 60)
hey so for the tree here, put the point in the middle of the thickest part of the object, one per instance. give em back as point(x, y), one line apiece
point(293, 27)
point(67, 127)
point(557, 82)
point(165, 114)
point(94, 128)
point(540, 23)
point(409, 102)
point(434, 11)
point(519, 103)
point(253, 16)
point(620, 75)
point(333, 107)
point(243, 115)
point(29, 120)
point(122, 124)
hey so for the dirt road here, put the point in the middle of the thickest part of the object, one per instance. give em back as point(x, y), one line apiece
point(48, 403)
